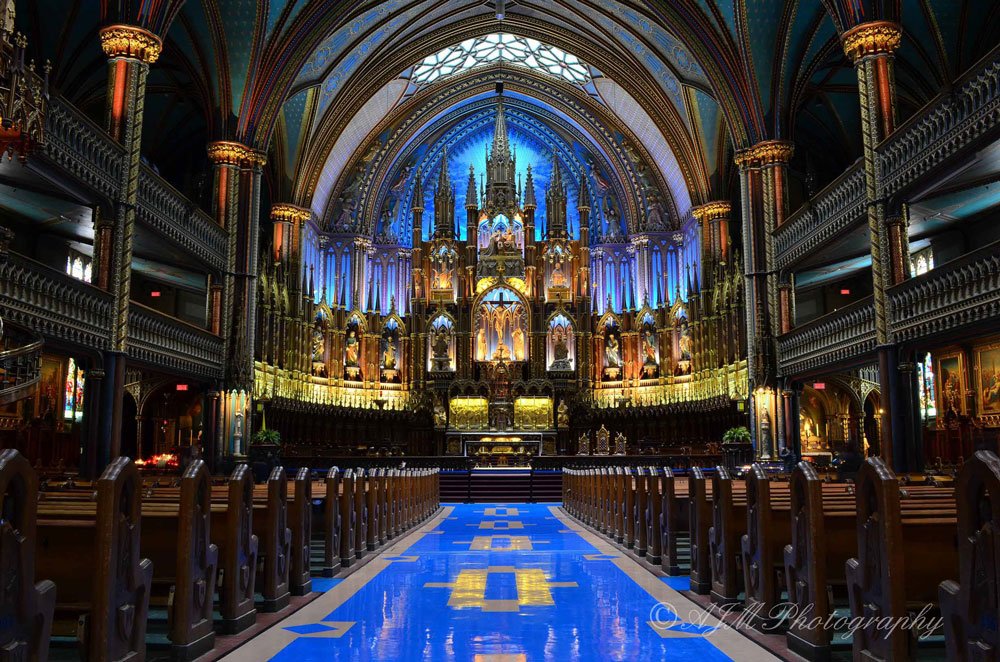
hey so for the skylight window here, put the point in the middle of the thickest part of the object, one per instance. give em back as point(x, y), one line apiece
point(501, 47)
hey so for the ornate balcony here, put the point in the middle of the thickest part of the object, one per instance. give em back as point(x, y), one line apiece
point(956, 294)
point(60, 307)
point(832, 212)
point(162, 208)
point(841, 338)
point(965, 117)
point(82, 149)
point(85, 152)
point(53, 304)
point(167, 342)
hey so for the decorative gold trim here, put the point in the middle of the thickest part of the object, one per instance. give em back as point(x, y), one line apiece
point(989, 414)
point(227, 152)
point(282, 211)
point(712, 210)
point(941, 388)
point(130, 41)
point(872, 38)
point(764, 153)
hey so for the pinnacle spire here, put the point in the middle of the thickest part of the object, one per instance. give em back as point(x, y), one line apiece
point(501, 143)
point(529, 189)
point(444, 180)
point(471, 195)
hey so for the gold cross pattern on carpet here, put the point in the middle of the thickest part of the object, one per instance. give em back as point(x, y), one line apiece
point(469, 589)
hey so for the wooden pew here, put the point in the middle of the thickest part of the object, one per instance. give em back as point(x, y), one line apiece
point(628, 490)
point(768, 530)
point(373, 509)
point(641, 518)
point(654, 531)
point(810, 560)
point(700, 517)
point(177, 539)
point(103, 584)
point(676, 543)
point(330, 525)
point(884, 580)
point(347, 517)
point(360, 514)
point(300, 525)
point(26, 607)
point(729, 523)
point(971, 606)
point(232, 531)
point(275, 544)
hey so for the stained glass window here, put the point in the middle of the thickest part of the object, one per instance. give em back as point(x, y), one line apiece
point(73, 401)
point(921, 261)
point(79, 266)
point(925, 377)
point(501, 47)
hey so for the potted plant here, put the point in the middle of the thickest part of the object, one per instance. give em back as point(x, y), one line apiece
point(265, 437)
point(737, 448)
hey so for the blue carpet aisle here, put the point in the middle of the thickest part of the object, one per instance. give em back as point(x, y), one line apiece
point(492, 582)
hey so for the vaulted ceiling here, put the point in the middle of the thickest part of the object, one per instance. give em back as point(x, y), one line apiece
point(698, 78)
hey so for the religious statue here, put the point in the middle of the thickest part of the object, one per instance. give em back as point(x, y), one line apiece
point(649, 348)
point(560, 350)
point(518, 337)
point(440, 347)
point(684, 342)
point(318, 365)
point(654, 214)
point(611, 355)
point(440, 414)
point(351, 350)
point(562, 414)
point(389, 355)
point(558, 278)
point(481, 348)
point(442, 278)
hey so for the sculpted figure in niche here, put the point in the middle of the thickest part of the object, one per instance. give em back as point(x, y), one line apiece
point(518, 338)
point(481, 348)
point(351, 350)
point(611, 354)
point(389, 356)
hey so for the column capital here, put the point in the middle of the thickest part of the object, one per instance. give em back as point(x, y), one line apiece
point(872, 38)
point(712, 210)
point(233, 153)
point(131, 42)
point(283, 211)
point(764, 153)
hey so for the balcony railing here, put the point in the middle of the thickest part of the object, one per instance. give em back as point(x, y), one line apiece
point(86, 152)
point(162, 208)
point(167, 342)
point(58, 306)
point(845, 336)
point(82, 149)
point(53, 304)
point(966, 116)
point(831, 213)
point(969, 115)
point(956, 294)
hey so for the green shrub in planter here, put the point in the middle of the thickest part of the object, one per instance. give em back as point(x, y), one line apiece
point(740, 435)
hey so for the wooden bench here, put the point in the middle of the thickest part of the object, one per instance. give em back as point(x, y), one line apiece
point(300, 526)
point(271, 528)
point(26, 607)
point(232, 531)
point(729, 524)
point(884, 580)
point(971, 606)
point(103, 585)
point(767, 532)
point(700, 522)
point(675, 524)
